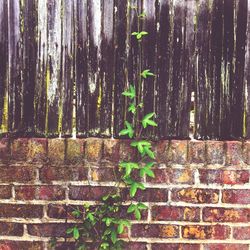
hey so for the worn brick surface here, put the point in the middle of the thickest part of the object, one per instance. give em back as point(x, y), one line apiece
point(199, 198)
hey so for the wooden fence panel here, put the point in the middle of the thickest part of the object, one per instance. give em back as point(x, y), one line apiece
point(65, 64)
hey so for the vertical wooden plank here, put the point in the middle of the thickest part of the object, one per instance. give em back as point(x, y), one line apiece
point(29, 65)
point(3, 66)
point(81, 64)
point(54, 78)
point(149, 60)
point(40, 101)
point(94, 86)
point(202, 79)
point(227, 68)
point(247, 75)
point(120, 81)
point(15, 86)
point(163, 68)
point(106, 67)
point(238, 88)
point(67, 68)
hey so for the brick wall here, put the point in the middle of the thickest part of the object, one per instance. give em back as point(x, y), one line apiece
point(199, 199)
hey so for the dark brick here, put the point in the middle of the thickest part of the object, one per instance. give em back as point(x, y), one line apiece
point(71, 173)
point(21, 245)
point(218, 232)
point(48, 230)
point(25, 192)
point(5, 192)
point(226, 215)
point(4, 150)
point(61, 211)
point(111, 150)
point(162, 151)
point(11, 229)
point(127, 153)
point(215, 152)
point(155, 231)
point(230, 177)
point(236, 196)
point(50, 193)
point(197, 152)
point(21, 174)
point(21, 211)
point(104, 174)
point(195, 195)
point(19, 149)
point(173, 213)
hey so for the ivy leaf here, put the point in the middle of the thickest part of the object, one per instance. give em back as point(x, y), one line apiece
point(140, 145)
point(113, 237)
point(130, 92)
point(137, 214)
point(145, 73)
point(76, 213)
point(149, 152)
point(142, 206)
point(131, 208)
point(134, 187)
point(128, 131)
point(105, 245)
point(76, 233)
point(129, 166)
point(147, 120)
point(132, 108)
point(69, 230)
point(142, 15)
point(139, 35)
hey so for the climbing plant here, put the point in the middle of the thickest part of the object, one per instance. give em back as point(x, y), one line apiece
point(103, 223)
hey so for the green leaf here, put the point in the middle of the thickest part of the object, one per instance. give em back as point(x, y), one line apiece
point(69, 230)
point(140, 145)
point(130, 92)
point(145, 73)
point(134, 33)
point(131, 208)
point(149, 152)
point(76, 213)
point(129, 166)
point(76, 233)
point(147, 120)
point(120, 228)
point(113, 237)
point(128, 131)
point(137, 214)
point(132, 108)
point(141, 206)
point(142, 15)
point(105, 245)
point(134, 187)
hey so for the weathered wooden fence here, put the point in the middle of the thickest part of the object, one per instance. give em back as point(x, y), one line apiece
point(65, 63)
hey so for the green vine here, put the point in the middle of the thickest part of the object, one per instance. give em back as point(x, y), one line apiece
point(103, 223)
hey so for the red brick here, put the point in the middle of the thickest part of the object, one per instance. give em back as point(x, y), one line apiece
point(50, 193)
point(168, 213)
point(135, 246)
point(61, 211)
point(175, 246)
point(93, 149)
point(162, 151)
point(4, 150)
point(75, 150)
point(174, 176)
point(37, 151)
point(218, 232)
point(155, 231)
point(226, 215)
point(178, 151)
point(19, 149)
point(225, 247)
point(241, 233)
point(215, 152)
point(151, 195)
point(56, 151)
point(195, 195)
point(246, 152)
point(21, 245)
point(127, 153)
point(197, 152)
point(21, 174)
point(111, 150)
point(236, 196)
point(48, 230)
point(11, 229)
point(5, 192)
point(104, 174)
point(70, 173)
point(234, 152)
point(88, 193)
point(25, 192)
point(230, 177)
point(21, 211)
